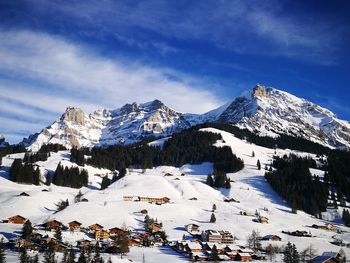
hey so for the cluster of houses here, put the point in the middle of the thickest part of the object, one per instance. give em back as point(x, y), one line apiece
point(37, 241)
point(106, 238)
point(324, 227)
point(213, 245)
point(156, 200)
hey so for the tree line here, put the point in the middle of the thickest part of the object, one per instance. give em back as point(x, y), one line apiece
point(25, 173)
point(70, 177)
point(189, 146)
point(292, 180)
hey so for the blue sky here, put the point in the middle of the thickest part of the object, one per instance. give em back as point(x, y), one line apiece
point(192, 55)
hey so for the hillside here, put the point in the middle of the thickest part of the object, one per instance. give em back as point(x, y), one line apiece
point(108, 208)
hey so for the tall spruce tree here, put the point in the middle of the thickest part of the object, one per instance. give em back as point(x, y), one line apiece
point(212, 218)
point(97, 257)
point(2, 252)
point(258, 165)
point(105, 182)
point(71, 256)
point(27, 229)
point(58, 234)
point(49, 256)
point(82, 257)
point(23, 256)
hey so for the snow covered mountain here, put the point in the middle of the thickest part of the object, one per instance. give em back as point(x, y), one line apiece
point(264, 110)
point(130, 123)
point(3, 143)
point(270, 112)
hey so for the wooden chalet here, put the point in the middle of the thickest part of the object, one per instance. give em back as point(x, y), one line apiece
point(53, 225)
point(116, 231)
point(271, 238)
point(28, 245)
point(135, 242)
point(74, 225)
point(192, 228)
point(192, 247)
point(326, 257)
point(101, 235)
point(325, 227)
point(58, 247)
point(155, 227)
point(263, 220)
point(244, 257)
point(158, 200)
point(84, 243)
point(17, 219)
point(95, 227)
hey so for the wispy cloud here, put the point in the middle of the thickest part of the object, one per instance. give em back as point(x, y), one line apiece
point(248, 27)
point(46, 73)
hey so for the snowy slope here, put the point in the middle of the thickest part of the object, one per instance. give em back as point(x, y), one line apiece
point(108, 208)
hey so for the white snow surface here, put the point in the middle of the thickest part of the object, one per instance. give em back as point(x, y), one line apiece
point(107, 207)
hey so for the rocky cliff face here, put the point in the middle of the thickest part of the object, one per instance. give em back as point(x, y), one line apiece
point(264, 110)
point(129, 124)
point(3, 142)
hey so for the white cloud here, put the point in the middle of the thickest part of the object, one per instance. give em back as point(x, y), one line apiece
point(50, 73)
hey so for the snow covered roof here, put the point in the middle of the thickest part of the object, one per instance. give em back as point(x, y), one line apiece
point(325, 256)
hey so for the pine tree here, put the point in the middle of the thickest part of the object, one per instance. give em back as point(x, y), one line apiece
point(210, 181)
point(88, 254)
point(258, 165)
point(105, 182)
point(288, 253)
point(214, 254)
point(295, 254)
point(82, 258)
point(27, 229)
point(71, 256)
point(97, 257)
point(49, 256)
point(2, 251)
point(58, 234)
point(23, 256)
point(36, 177)
point(212, 218)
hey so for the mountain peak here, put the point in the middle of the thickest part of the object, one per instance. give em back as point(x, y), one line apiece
point(3, 142)
point(75, 115)
point(260, 91)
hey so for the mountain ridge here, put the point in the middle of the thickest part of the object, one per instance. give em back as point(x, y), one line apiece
point(264, 110)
